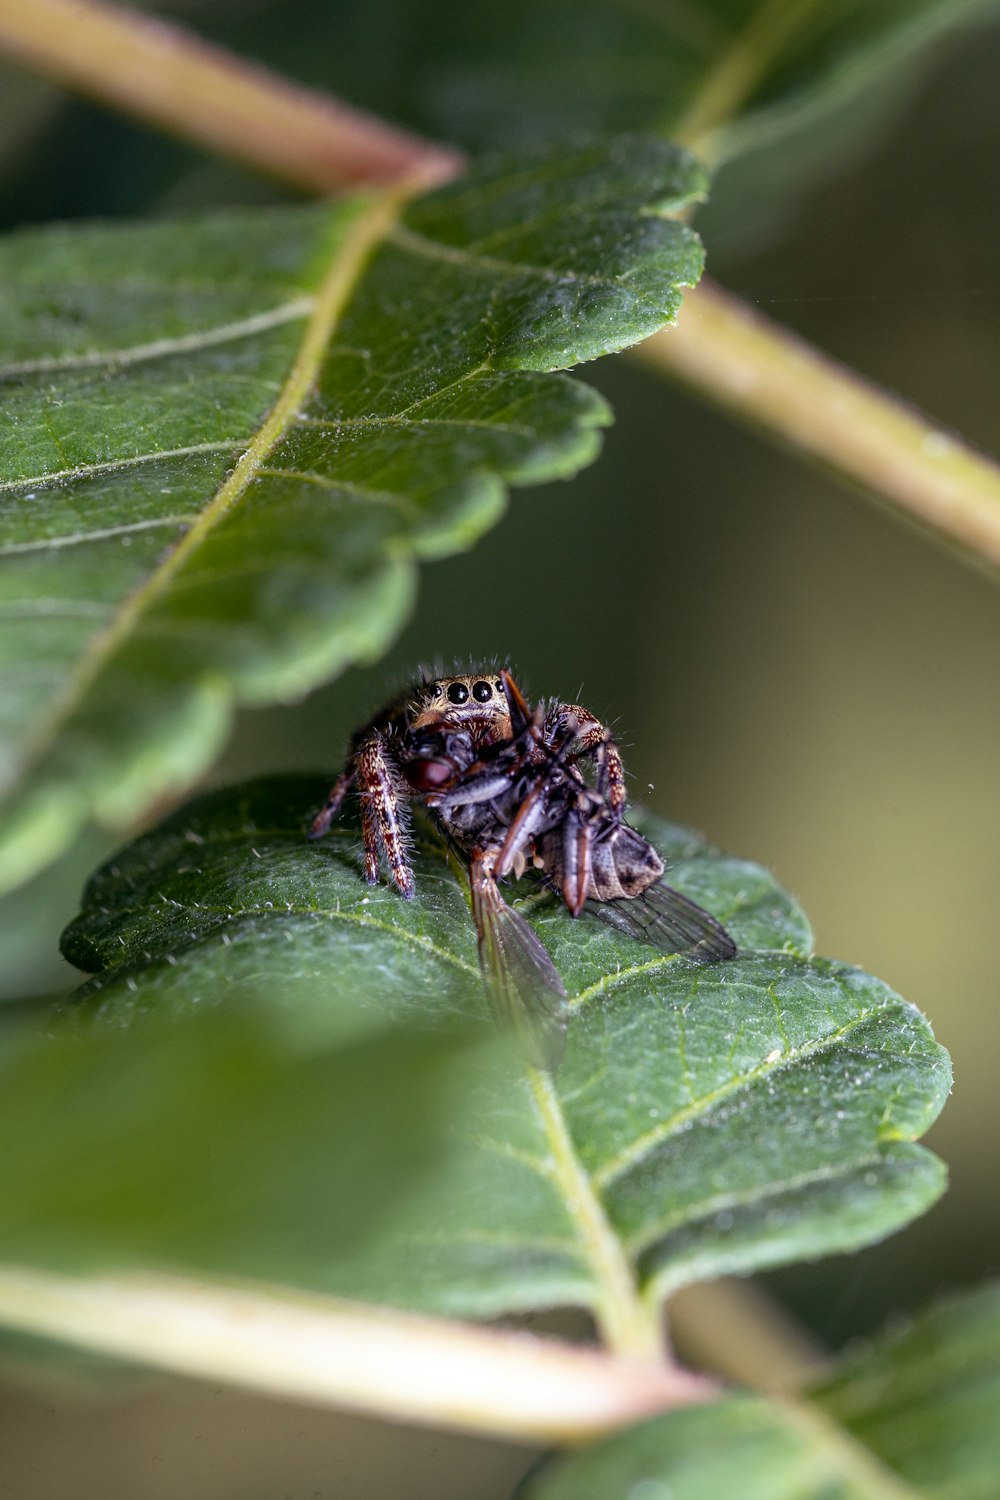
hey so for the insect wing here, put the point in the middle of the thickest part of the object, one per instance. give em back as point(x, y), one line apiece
point(669, 921)
point(522, 983)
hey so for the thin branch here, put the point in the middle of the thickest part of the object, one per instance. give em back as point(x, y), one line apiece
point(378, 1360)
point(170, 78)
point(764, 375)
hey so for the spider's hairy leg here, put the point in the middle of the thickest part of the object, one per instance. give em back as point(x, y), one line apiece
point(320, 825)
point(591, 737)
point(382, 825)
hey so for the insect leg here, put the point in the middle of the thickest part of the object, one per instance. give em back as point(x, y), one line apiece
point(321, 823)
point(381, 816)
point(525, 824)
point(575, 875)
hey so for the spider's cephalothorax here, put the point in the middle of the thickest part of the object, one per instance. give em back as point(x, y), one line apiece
point(516, 788)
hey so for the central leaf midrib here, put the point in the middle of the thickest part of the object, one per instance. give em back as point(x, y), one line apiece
point(628, 1325)
point(332, 297)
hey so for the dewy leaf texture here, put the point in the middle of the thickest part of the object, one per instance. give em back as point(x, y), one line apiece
point(704, 1120)
point(229, 441)
point(909, 1416)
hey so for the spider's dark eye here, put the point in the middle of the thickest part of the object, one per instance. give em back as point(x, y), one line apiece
point(482, 692)
point(498, 686)
point(458, 692)
point(435, 690)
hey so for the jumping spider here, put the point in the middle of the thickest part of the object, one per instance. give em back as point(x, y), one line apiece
point(506, 784)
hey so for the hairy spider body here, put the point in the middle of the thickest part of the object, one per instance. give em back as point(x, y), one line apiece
point(448, 731)
point(506, 784)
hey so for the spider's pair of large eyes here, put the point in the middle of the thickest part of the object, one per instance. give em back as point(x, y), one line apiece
point(459, 693)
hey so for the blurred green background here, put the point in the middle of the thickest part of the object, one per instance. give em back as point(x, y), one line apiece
point(788, 668)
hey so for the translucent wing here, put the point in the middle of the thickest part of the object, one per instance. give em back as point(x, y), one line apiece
point(522, 983)
point(669, 921)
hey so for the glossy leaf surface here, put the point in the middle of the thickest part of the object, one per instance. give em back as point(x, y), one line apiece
point(229, 441)
point(912, 1414)
point(703, 1120)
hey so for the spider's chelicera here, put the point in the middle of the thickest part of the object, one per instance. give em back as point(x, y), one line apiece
point(516, 789)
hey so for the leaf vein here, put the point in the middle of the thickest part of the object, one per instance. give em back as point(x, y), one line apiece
point(101, 534)
point(292, 909)
point(113, 465)
point(409, 239)
point(391, 499)
point(644, 1144)
point(648, 1236)
point(188, 343)
point(399, 420)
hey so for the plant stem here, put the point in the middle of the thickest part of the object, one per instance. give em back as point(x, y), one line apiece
point(629, 1326)
point(764, 375)
point(170, 78)
point(399, 1365)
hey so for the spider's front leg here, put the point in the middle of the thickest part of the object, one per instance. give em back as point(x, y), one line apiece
point(593, 738)
point(382, 816)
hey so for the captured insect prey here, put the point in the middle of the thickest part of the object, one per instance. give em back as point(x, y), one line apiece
point(516, 789)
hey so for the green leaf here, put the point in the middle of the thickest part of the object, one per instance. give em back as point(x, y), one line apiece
point(924, 1397)
point(229, 442)
point(222, 1143)
point(471, 73)
point(792, 89)
point(911, 1415)
point(704, 1119)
